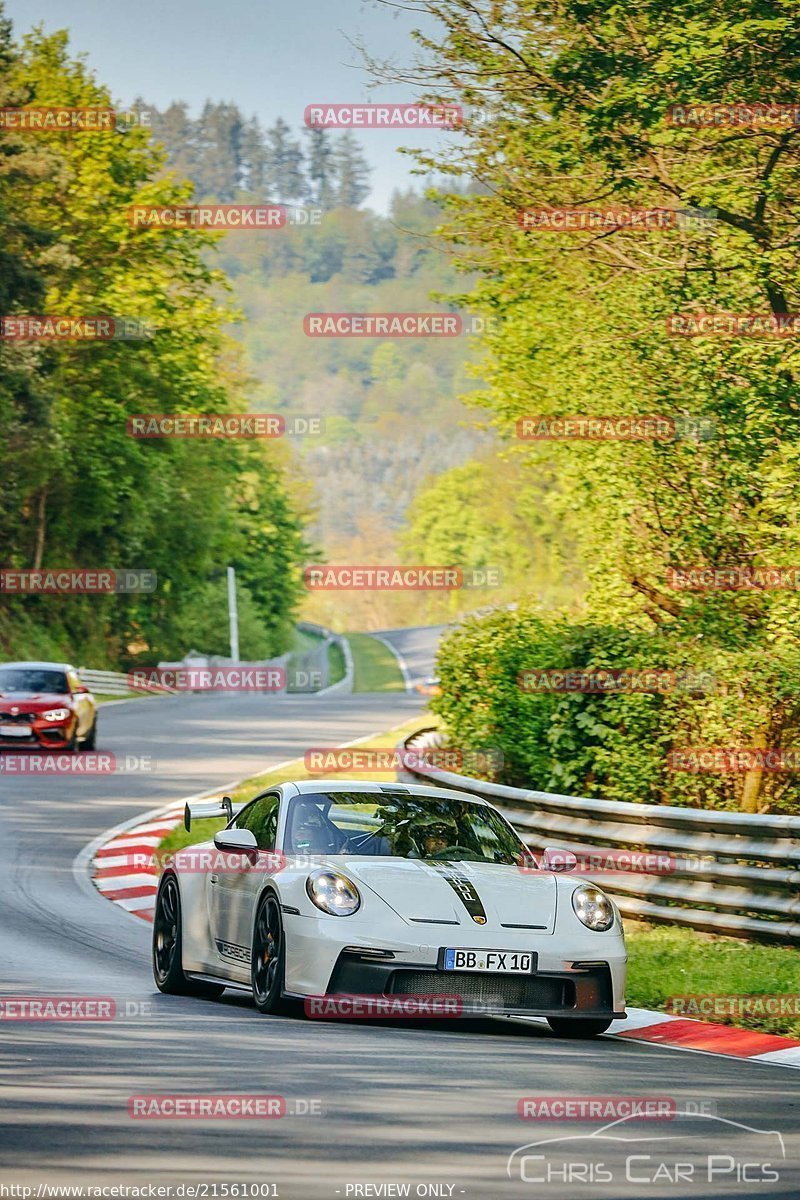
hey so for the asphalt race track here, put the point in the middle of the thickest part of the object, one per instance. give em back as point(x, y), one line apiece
point(432, 1106)
point(416, 648)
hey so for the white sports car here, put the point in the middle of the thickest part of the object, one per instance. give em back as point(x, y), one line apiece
point(322, 889)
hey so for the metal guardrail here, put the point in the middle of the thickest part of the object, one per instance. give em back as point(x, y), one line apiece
point(320, 659)
point(725, 872)
point(114, 683)
point(308, 672)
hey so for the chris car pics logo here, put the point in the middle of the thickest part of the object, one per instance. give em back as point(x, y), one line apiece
point(688, 1153)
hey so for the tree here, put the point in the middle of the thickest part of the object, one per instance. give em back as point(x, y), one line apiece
point(82, 492)
point(254, 157)
point(351, 172)
point(28, 447)
point(220, 171)
point(320, 168)
point(284, 173)
point(178, 133)
point(578, 99)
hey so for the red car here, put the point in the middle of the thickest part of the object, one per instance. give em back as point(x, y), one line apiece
point(45, 705)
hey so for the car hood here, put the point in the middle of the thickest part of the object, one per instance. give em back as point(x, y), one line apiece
point(423, 893)
point(35, 700)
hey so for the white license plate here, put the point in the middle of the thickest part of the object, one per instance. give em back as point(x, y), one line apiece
point(15, 730)
point(507, 962)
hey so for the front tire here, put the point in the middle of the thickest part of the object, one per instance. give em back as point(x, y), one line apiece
point(268, 958)
point(167, 947)
point(578, 1027)
point(90, 741)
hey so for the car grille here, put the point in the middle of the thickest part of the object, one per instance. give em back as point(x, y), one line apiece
point(502, 991)
point(16, 718)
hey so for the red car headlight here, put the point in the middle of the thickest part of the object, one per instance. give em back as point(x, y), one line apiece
point(56, 714)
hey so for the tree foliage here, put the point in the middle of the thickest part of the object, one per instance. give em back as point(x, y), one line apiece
point(226, 155)
point(577, 96)
point(77, 490)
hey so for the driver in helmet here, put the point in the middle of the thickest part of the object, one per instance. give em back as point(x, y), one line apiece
point(434, 836)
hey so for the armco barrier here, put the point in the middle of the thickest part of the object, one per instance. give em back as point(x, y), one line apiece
point(319, 658)
point(733, 873)
point(113, 683)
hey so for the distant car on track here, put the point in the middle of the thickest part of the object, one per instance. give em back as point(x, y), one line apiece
point(45, 705)
point(373, 889)
point(429, 686)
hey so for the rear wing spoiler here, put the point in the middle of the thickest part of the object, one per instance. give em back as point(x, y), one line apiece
point(201, 812)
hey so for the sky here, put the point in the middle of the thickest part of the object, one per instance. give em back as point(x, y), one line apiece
point(271, 58)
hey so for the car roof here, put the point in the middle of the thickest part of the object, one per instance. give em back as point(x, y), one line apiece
point(305, 786)
point(52, 666)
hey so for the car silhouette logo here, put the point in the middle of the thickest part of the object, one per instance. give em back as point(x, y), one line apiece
point(689, 1146)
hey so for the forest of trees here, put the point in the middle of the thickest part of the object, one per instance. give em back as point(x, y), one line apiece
point(75, 490)
point(579, 97)
point(227, 155)
point(394, 420)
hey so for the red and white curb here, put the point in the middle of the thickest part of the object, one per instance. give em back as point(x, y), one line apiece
point(681, 1033)
point(120, 866)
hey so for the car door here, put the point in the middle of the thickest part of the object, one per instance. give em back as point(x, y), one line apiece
point(232, 892)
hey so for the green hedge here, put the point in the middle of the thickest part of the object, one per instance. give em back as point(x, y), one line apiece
point(615, 746)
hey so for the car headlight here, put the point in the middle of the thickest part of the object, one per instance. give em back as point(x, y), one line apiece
point(55, 714)
point(593, 908)
point(333, 893)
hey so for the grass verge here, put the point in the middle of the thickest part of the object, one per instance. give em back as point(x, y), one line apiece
point(336, 664)
point(375, 668)
point(667, 960)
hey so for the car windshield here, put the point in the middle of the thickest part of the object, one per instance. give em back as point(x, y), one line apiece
point(33, 679)
point(399, 826)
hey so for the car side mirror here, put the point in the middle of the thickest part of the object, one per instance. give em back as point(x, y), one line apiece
point(559, 860)
point(80, 691)
point(240, 841)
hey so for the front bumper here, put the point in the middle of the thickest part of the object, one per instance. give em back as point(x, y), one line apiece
point(585, 991)
point(577, 971)
point(39, 735)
